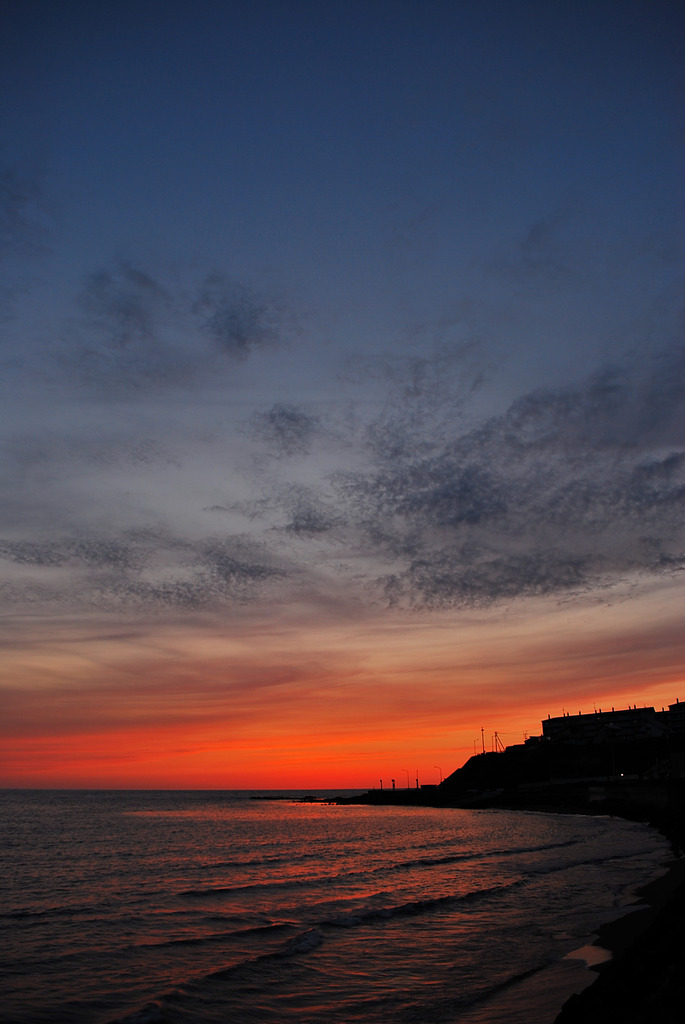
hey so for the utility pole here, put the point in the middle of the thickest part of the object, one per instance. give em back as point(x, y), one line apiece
point(482, 737)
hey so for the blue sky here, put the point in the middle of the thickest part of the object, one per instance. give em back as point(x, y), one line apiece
point(328, 320)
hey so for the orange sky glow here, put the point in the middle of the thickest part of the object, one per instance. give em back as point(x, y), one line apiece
point(326, 707)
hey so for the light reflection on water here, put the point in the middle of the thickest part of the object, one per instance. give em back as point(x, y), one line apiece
point(219, 907)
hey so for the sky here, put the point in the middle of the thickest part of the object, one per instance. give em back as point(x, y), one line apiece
point(342, 388)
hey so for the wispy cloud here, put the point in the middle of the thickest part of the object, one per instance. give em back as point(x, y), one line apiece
point(238, 319)
point(25, 220)
point(122, 341)
point(285, 429)
point(95, 553)
point(23, 213)
point(141, 569)
point(137, 331)
point(570, 489)
point(310, 514)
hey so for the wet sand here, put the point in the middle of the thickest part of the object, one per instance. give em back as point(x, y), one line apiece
point(532, 999)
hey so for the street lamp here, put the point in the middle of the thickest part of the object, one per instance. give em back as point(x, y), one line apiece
point(407, 771)
point(440, 770)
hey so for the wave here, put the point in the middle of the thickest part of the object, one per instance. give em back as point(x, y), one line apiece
point(298, 945)
point(595, 861)
point(413, 908)
point(203, 892)
point(203, 940)
point(267, 883)
point(290, 857)
point(151, 1013)
point(62, 910)
point(385, 868)
point(454, 858)
point(305, 942)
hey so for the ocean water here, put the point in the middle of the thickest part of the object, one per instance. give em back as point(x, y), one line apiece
point(214, 907)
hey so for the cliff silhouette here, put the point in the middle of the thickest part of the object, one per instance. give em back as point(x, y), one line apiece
point(628, 761)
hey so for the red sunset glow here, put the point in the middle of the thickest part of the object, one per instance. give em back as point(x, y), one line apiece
point(313, 713)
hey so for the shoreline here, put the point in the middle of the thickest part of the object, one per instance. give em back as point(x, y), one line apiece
point(644, 979)
point(620, 935)
point(631, 972)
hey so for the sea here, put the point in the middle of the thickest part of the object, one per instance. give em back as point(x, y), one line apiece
point(264, 907)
